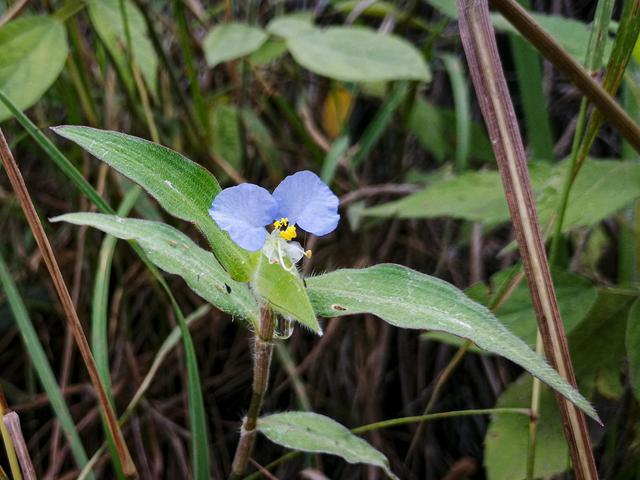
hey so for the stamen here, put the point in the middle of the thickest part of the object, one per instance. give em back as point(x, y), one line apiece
point(283, 222)
point(289, 234)
point(308, 253)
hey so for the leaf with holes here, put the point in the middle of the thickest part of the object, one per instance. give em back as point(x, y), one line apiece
point(311, 432)
point(174, 252)
point(32, 55)
point(409, 299)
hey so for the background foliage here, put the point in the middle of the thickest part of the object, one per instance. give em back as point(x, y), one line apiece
point(373, 96)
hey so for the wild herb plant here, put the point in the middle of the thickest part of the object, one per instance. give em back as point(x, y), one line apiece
point(248, 260)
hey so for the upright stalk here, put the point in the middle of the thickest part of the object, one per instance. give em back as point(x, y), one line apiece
point(17, 182)
point(263, 351)
point(478, 39)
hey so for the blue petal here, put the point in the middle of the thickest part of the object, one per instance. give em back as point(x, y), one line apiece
point(305, 200)
point(242, 212)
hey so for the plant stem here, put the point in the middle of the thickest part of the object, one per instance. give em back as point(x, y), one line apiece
point(262, 354)
point(478, 39)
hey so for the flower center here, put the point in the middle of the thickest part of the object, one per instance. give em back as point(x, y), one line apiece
point(287, 232)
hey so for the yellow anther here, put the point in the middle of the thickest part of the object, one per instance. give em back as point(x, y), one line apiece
point(283, 222)
point(289, 234)
point(308, 253)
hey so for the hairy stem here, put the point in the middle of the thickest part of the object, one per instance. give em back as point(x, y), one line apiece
point(263, 351)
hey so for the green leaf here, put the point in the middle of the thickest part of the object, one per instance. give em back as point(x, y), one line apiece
point(33, 51)
point(356, 54)
point(106, 17)
point(409, 299)
point(506, 441)
point(291, 25)
point(602, 188)
point(286, 293)
point(598, 345)
point(475, 196)
point(182, 187)
point(632, 342)
point(311, 432)
point(231, 41)
point(175, 253)
point(576, 296)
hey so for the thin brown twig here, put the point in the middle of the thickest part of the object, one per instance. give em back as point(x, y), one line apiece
point(17, 182)
point(479, 42)
point(13, 12)
point(12, 422)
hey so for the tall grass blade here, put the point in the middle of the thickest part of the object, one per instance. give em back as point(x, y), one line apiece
point(530, 87)
point(196, 406)
point(41, 365)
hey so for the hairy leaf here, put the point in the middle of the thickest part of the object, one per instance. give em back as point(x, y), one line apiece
point(311, 432)
point(576, 297)
point(182, 187)
point(409, 299)
point(175, 253)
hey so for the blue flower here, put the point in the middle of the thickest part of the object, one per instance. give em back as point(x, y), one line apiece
point(301, 200)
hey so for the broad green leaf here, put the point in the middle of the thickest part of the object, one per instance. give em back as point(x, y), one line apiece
point(106, 17)
point(311, 432)
point(475, 196)
point(576, 296)
point(572, 35)
point(602, 188)
point(182, 187)
point(175, 253)
point(286, 293)
point(409, 299)
point(291, 25)
point(32, 55)
point(356, 54)
point(632, 342)
point(506, 441)
point(231, 41)
point(598, 345)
